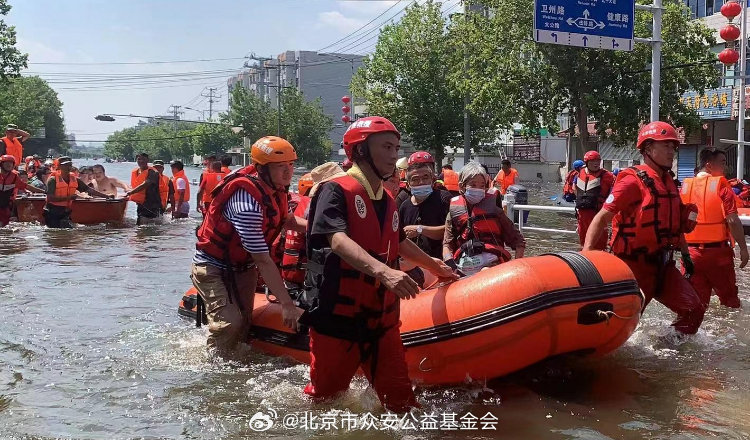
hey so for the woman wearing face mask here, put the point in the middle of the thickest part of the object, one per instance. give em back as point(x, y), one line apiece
point(476, 229)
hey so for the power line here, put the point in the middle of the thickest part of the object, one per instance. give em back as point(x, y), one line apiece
point(351, 44)
point(147, 139)
point(139, 62)
point(360, 28)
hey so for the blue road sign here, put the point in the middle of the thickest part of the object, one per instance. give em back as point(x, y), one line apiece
point(598, 24)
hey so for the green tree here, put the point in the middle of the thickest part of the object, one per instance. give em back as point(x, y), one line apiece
point(304, 124)
point(252, 114)
point(210, 139)
point(407, 79)
point(122, 144)
point(32, 104)
point(11, 59)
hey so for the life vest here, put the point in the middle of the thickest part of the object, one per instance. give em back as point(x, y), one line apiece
point(506, 181)
point(346, 303)
point(8, 188)
point(653, 224)
point(225, 170)
point(216, 235)
point(163, 190)
point(478, 223)
point(14, 148)
point(211, 180)
point(450, 180)
point(591, 189)
point(704, 193)
point(138, 176)
point(277, 249)
point(568, 187)
point(178, 175)
point(64, 189)
point(294, 261)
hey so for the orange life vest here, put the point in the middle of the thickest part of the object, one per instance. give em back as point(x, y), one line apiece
point(450, 180)
point(568, 187)
point(163, 190)
point(712, 222)
point(181, 175)
point(347, 303)
point(294, 260)
point(216, 235)
point(225, 170)
point(506, 181)
point(138, 176)
point(210, 181)
point(8, 188)
point(14, 148)
point(592, 188)
point(64, 189)
point(653, 224)
point(480, 222)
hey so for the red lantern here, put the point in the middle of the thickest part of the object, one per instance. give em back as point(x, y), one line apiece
point(729, 56)
point(345, 99)
point(345, 119)
point(345, 109)
point(730, 32)
point(731, 9)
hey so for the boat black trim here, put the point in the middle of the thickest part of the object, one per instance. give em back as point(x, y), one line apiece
point(582, 267)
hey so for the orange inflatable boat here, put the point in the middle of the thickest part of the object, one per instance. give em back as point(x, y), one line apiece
point(85, 211)
point(495, 322)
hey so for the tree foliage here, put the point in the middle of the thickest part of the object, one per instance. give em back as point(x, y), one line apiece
point(254, 115)
point(407, 79)
point(12, 61)
point(304, 124)
point(32, 104)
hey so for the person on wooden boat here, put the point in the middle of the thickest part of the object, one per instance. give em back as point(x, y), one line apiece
point(61, 191)
point(181, 190)
point(12, 143)
point(166, 188)
point(592, 187)
point(145, 193)
point(211, 180)
point(506, 177)
point(107, 185)
point(476, 229)
point(40, 178)
point(353, 244)
point(294, 259)
point(10, 184)
point(649, 221)
point(248, 212)
point(569, 191)
point(712, 241)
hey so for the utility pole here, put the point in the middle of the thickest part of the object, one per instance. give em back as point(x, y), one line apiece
point(175, 110)
point(278, 100)
point(742, 72)
point(211, 101)
point(655, 41)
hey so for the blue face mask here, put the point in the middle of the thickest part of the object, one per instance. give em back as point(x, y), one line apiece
point(474, 195)
point(421, 192)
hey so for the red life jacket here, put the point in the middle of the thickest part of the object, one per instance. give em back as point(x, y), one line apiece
point(349, 304)
point(655, 224)
point(8, 188)
point(210, 181)
point(216, 235)
point(480, 223)
point(592, 188)
point(277, 249)
point(568, 187)
point(294, 260)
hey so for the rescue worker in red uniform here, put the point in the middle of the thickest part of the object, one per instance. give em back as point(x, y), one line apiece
point(711, 242)
point(648, 222)
point(592, 187)
point(10, 184)
point(294, 260)
point(12, 142)
point(569, 189)
point(246, 215)
point(211, 180)
point(354, 240)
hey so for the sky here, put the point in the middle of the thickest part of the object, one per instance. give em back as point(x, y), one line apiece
point(60, 36)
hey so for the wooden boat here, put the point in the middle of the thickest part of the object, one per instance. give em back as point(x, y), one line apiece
point(495, 322)
point(85, 211)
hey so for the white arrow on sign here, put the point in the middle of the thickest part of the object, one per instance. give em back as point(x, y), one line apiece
point(585, 22)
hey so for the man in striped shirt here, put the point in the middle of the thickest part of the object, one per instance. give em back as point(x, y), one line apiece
point(243, 219)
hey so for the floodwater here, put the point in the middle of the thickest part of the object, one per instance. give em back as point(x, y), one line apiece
point(92, 347)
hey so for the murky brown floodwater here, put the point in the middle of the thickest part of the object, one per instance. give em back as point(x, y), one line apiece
point(92, 347)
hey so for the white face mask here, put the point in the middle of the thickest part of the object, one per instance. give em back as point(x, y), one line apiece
point(474, 195)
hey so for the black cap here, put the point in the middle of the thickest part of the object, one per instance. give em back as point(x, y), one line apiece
point(64, 160)
point(158, 162)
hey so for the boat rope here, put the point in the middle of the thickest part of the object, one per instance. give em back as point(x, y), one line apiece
point(606, 314)
point(425, 370)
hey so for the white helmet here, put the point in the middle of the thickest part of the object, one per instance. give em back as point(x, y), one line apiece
point(402, 163)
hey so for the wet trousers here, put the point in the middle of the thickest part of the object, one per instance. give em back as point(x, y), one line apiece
point(335, 361)
point(229, 317)
point(714, 271)
point(585, 216)
point(675, 292)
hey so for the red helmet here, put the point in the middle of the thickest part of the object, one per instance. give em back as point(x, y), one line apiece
point(591, 155)
point(362, 128)
point(346, 164)
point(6, 158)
point(421, 157)
point(656, 131)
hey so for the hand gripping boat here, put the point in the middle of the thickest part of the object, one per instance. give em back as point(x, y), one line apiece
point(495, 322)
point(85, 211)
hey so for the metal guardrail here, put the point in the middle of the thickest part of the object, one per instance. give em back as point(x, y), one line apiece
point(518, 211)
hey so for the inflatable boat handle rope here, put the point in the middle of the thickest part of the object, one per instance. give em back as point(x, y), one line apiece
point(606, 314)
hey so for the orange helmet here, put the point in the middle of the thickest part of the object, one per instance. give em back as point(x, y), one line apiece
point(7, 158)
point(272, 149)
point(304, 184)
point(656, 131)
